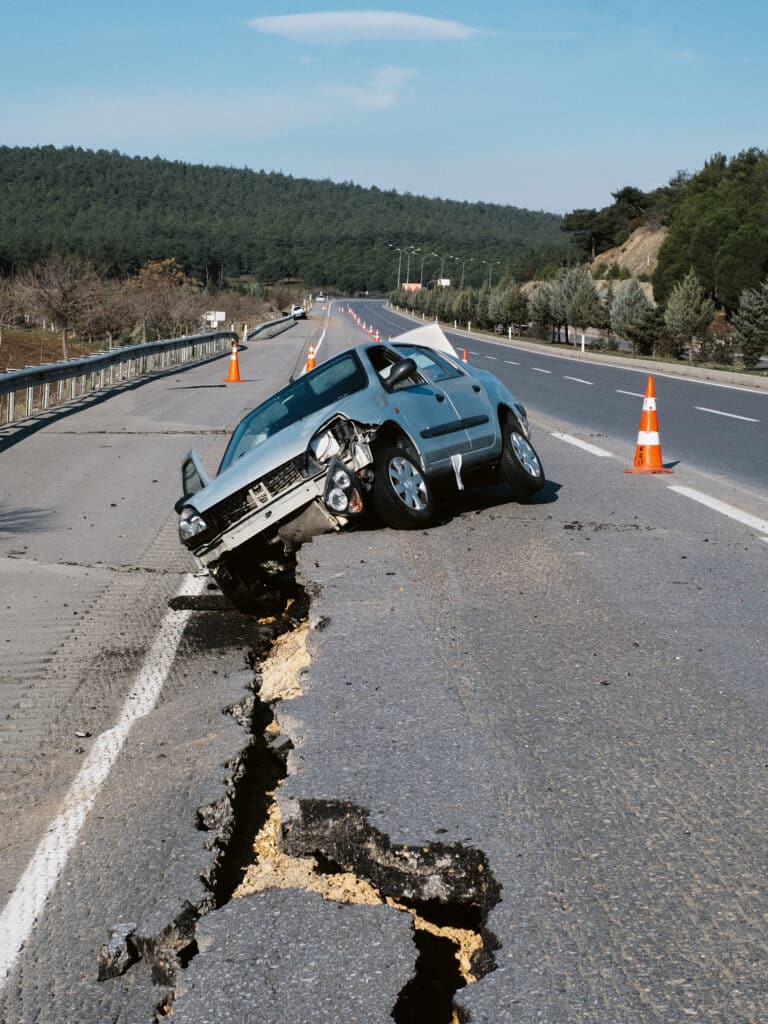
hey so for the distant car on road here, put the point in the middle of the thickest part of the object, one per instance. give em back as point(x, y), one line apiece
point(374, 426)
point(298, 312)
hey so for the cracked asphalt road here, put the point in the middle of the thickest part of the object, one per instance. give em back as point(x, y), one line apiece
point(575, 688)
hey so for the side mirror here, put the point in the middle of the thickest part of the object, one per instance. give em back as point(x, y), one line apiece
point(193, 476)
point(400, 372)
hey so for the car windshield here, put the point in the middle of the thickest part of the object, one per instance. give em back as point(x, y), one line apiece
point(328, 384)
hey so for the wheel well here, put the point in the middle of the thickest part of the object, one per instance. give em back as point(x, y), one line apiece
point(391, 432)
point(505, 412)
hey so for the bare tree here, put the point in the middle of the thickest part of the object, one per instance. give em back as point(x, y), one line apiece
point(9, 304)
point(61, 288)
point(112, 312)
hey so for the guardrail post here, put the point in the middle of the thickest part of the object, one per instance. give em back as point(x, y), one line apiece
point(11, 406)
point(30, 400)
point(46, 395)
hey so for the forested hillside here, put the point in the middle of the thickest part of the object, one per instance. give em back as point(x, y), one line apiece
point(218, 222)
point(717, 221)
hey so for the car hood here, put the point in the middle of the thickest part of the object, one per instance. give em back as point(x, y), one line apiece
point(269, 455)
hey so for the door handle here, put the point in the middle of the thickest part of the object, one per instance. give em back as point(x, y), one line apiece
point(476, 387)
point(440, 398)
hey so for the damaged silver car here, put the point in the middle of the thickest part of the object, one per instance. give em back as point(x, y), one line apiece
point(373, 427)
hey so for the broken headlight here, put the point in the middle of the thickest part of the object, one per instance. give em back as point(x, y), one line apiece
point(324, 446)
point(191, 523)
point(343, 492)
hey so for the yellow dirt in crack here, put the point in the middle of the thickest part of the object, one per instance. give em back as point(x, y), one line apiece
point(281, 671)
point(274, 869)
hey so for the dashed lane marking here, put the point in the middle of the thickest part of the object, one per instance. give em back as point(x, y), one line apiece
point(584, 445)
point(730, 415)
point(578, 380)
point(761, 525)
point(538, 369)
point(632, 394)
point(511, 362)
point(494, 358)
point(39, 879)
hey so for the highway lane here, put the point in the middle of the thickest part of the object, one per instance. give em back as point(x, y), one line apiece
point(89, 557)
point(717, 429)
point(572, 687)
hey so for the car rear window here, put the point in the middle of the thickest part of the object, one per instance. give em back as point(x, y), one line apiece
point(325, 386)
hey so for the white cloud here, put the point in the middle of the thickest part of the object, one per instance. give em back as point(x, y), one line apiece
point(360, 26)
point(382, 93)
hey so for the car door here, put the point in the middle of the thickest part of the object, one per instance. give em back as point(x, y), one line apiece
point(472, 409)
point(424, 409)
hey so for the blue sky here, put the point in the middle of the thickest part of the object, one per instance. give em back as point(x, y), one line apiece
point(548, 105)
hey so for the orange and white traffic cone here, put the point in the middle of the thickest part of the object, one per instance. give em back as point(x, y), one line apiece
point(648, 449)
point(310, 359)
point(370, 330)
point(233, 376)
point(464, 356)
point(377, 336)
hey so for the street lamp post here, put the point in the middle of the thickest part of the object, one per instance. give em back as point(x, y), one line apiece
point(399, 261)
point(421, 272)
point(496, 263)
point(410, 252)
point(470, 259)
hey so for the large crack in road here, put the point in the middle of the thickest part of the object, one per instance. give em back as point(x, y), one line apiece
point(324, 847)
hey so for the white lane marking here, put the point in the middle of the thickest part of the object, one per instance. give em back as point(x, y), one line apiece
point(578, 380)
point(585, 445)
point(518, 346)
point(538, 369)
point(632, 394)
point(494, 358)
point(39, 879)
point(473, 353)
point(761, 525)
point(730, 415)
point(322, 339)
point(511, 362)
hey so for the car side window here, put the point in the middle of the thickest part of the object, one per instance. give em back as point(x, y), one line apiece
point(383, 359)
point(431, 366)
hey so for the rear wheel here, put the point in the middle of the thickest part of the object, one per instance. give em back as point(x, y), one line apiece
point(402, 495)
point(520, 466)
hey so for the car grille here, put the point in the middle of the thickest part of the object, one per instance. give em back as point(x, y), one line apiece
point(255, 495)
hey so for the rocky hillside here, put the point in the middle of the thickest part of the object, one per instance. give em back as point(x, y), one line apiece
point(639, 254)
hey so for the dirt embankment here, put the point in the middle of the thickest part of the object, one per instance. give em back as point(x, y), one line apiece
point(33, 348)
point(639, 254)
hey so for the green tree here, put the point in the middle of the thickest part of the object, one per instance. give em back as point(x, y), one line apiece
point(751, 325)
point(464, 306)
point(513, 305)
point(633, 317)
point(541, 310)
point(689, 313)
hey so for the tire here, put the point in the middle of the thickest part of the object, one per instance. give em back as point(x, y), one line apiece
point(402, 495)
point(520, 467)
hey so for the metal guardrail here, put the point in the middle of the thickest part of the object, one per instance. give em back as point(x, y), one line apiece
point(36, 388)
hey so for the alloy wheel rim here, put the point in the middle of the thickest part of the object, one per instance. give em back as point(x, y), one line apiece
point(408, 483)
point(525, 455)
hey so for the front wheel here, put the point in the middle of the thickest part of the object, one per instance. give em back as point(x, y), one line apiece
point(402, 496)
point(520, 466)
